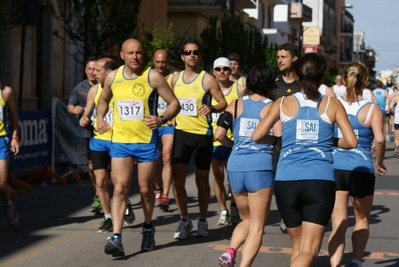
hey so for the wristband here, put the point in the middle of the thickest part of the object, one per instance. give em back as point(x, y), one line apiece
point(15, 138)
point(163, 119)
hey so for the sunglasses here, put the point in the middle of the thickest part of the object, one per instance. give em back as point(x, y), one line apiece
point(188, 52)
point(224, 69)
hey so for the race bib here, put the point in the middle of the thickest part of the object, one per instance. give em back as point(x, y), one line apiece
point(1, 114)
point(162, 106)
point(109, 117)
point(356, 131)
point(215, 117)
point(247, 127)
point(188, 106)
point(130, 109)
point(307, 130)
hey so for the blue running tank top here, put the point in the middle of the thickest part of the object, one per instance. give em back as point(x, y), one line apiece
point(307, 140)
point(246, 154)
point(357, 159)
point(379, 94)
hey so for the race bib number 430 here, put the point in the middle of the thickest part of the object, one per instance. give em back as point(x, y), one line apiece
point(188, 106)
point(130, 109)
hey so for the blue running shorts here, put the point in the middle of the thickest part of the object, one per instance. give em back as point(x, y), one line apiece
point(250, 181)
point(164, 130)
point(4, 148)
point(142, 152)
point(221, 153)
point(100, 145)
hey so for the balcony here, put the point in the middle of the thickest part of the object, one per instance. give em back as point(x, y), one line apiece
point(330, 44)
point(347, 30)
point(345, 58)
point(299, 11)
point(207, 8)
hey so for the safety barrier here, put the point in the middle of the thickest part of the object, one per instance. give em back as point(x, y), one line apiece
point(49, 140)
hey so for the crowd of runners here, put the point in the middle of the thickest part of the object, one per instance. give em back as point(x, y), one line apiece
point(286, 134)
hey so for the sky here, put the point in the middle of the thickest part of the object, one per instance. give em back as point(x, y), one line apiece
point(379, 20)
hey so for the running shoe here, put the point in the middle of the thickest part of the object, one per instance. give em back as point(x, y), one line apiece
point(96, 205)
point(164, 203)
point(184, 227)
point(202, 230)
point(12, 215)
point(353, 264)
point(105, 227)
point(224, 217)
point(283, 228)
point(158, 197)
point(234, 214)
point(114, 246)
point(148, 242)
point(130, 217)
point(227, 259)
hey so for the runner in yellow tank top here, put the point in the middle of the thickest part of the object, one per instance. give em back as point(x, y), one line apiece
point(7, 112)
point(235, 74)
point(231, 91)
point(134, 89)
point(100, 144)
point(193, 135)
point(165, 132)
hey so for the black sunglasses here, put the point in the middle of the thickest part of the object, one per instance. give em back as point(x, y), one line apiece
point(224, 69)
point(188, 52)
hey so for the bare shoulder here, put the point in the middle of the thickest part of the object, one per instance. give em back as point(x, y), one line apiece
point(7, 93)
point(209, 81)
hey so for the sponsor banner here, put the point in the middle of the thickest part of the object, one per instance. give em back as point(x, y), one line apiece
point(35, 139)
point(69, 151)
point(311, 49)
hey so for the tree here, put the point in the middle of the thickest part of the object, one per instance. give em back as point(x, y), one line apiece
point(330, 75)
point(10, 16)
point(233, 36)
point(95, 27)
point(162, 37)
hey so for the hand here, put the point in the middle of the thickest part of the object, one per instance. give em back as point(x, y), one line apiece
point(170, 122)
point(84, 121)
point(103, 126)
point(152, 122)
point(77, 110)
point(204, 110)
point(381, 170)
point(14, 146)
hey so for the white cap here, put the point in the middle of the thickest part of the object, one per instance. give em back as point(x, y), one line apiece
point(221, 62)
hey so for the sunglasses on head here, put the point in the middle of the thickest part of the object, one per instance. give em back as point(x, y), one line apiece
point(224, 69)
point(188, 52)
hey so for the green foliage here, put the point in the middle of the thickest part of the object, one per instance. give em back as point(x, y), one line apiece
point(162, 38)
point(95, 27)
point(10, 15)
point(329, 79)
point(233, 36)
point(271, 57)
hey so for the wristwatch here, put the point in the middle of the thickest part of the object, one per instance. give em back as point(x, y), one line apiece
point(163, 119)
point(213, 109)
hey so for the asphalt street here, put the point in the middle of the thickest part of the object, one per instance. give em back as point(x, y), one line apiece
point(56, 228)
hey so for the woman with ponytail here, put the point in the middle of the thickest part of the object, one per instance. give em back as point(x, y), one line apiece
point(354, 170)
point(304, 183)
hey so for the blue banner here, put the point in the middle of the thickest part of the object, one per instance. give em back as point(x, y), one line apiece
point(35, 139)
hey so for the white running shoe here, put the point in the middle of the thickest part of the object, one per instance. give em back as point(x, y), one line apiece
point(224, 218)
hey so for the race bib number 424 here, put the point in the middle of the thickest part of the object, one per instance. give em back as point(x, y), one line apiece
point(130, 109)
